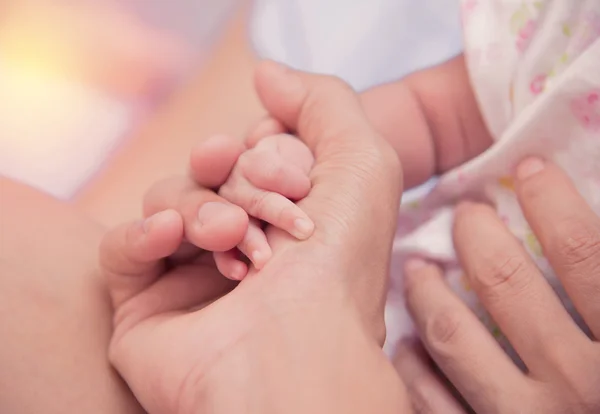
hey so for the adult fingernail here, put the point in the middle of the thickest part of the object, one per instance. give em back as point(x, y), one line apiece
point(259, 259)
point(529, 167)
point(211, 210)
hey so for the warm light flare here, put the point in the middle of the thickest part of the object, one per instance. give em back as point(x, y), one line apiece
point(69, 77)
point(55, 133)
point(38, 44)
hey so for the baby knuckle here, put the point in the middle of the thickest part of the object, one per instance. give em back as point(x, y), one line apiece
point(257, 204)
point(273, 170)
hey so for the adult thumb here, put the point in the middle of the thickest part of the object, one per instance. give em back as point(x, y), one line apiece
point(357, 174)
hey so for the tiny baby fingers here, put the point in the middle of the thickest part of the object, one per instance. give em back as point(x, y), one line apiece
point(270, 207)
point(229, 265)
point(269, 171)
point(210, 222)
point(255, 245)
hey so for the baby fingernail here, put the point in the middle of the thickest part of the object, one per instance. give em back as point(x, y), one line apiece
point(304, 228)
point(238, 272)
point(210, 210)
point(529, 167)
point(256, 257)
point(259, 258)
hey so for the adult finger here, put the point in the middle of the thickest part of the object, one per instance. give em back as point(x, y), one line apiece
point(356, 179)
point(131, 255)
point(568, 230)
point(210, 222)
point(512, 289)
point(458, 342)
point(323, 110)
point(426, 390)
point(266, 127)
point(212, 160)
point(131, 259)
point(353, 163)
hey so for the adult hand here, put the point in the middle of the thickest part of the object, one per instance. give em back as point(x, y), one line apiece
point(304, 333)
point(563, 363)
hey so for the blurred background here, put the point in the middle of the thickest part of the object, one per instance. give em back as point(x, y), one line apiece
point(78, 76)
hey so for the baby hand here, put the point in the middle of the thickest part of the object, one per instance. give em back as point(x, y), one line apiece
point(266, 181)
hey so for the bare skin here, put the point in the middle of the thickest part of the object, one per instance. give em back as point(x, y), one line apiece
point(64, 247)
point(55, 317)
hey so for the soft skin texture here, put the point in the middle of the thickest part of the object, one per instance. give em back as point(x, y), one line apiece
point(563, 362)
point(430, 118)
point(262, 342)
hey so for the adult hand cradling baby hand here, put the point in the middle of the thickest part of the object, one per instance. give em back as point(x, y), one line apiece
point(563, 363)
point(307, 324)
point(303, 333)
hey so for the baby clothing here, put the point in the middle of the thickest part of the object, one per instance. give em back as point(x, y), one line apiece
point(365, 42)
point(534, 66)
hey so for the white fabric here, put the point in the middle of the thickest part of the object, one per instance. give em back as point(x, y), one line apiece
point(365, 42)
point(535, 69)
